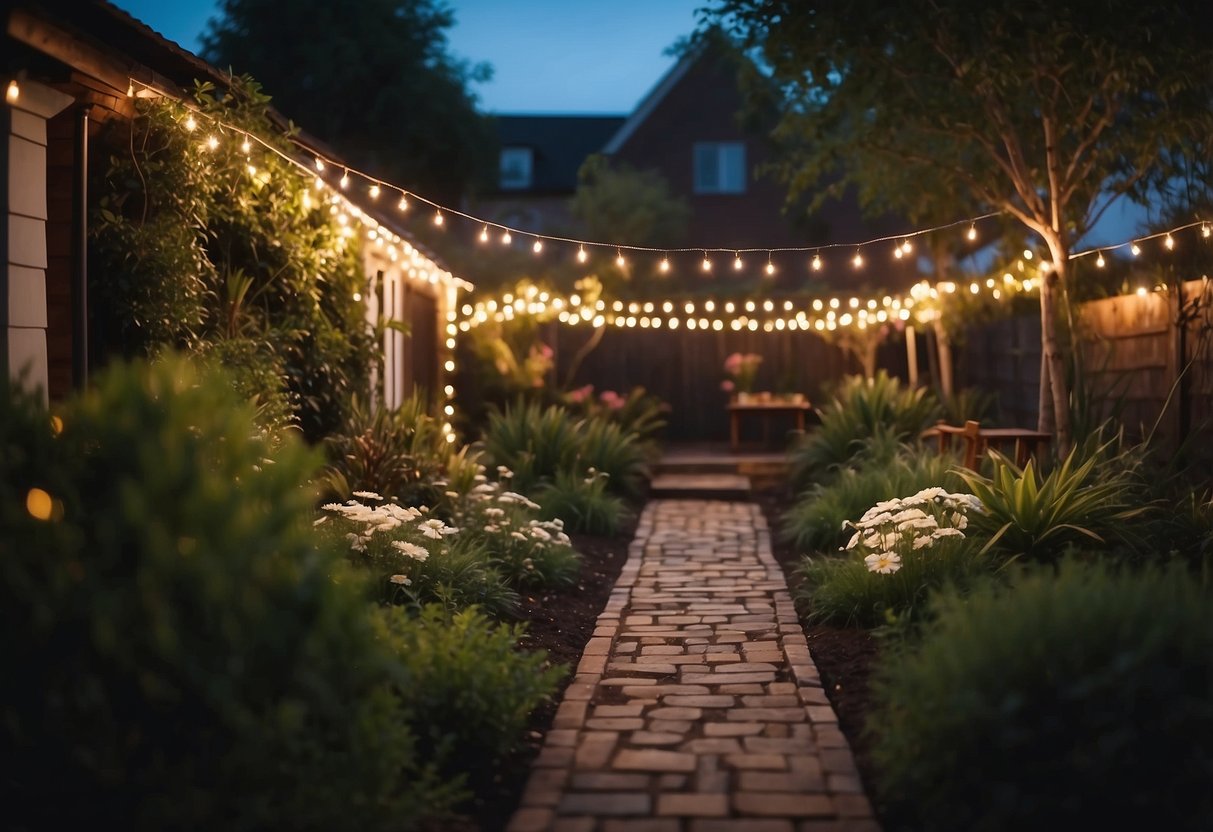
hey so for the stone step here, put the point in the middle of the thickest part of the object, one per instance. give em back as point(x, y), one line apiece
point(707, 486)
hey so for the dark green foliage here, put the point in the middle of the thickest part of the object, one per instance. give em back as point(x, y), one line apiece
point(968, 404)
point(469, 684)
point(859, 410)
point(583, 503)
point(616, 202)
point(197, 252)
point(397, 453)
point(840, 590)
point(527, 551)
point(375, 79)
point(182, 655)
point(1079, 698)
point(815, 523)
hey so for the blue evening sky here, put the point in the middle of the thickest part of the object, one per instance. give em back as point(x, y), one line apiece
point(558, 56)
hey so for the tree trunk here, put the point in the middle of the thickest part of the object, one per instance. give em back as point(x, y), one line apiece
point(945, 359)
point(1054, 395)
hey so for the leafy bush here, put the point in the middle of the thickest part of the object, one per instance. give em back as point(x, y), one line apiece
point(858, 410)
point(901, 550)
point(640, 412)
point(469, 684)
point(535, 444)
point(816, 522)
point(969, 403)
point(1079, 501)
point(583, 502)
point(186, 655)
point(1081, 697)
point(400, 453)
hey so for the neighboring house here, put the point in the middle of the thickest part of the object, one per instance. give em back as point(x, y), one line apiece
point(68, 66)
point(687, 128)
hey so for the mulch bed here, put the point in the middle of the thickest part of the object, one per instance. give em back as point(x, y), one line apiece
point(561, 623)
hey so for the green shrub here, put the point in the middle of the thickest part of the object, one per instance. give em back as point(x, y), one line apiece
point(815, 522)
point(1079, 698)
point(583, 503)
point(900, 550)
point(468, 684)
point(603, 447)
point(1083, 500)
point(966, 404)
point(399, 453)
point(860, 409)
point(181, 654)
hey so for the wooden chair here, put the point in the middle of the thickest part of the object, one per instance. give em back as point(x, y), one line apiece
point(970, 433)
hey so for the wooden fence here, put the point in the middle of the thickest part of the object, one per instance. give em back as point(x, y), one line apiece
point(1147, 360)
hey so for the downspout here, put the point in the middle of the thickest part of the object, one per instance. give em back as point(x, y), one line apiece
point(80, 253)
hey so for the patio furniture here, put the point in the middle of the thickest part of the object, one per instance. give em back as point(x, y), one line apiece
point(977, 439)
point(737, 409)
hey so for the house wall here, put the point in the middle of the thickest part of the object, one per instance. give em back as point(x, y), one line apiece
point(25, 218)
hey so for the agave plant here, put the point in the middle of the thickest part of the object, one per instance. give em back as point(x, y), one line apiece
point(1082, 500)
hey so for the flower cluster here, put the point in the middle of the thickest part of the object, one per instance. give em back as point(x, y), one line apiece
point(891, 528)
point(741, 369)
point(389, 522)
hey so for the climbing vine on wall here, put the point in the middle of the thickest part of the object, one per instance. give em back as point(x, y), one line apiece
point(203, 242)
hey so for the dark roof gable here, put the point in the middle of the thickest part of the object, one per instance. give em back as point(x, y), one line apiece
point(559, 144)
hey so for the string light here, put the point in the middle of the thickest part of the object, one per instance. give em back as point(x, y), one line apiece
point(507, 238)
point(770, 265)
point(438, 219)
point(972, 235)
point(1169, 243)
point(319, 165)
point(857, 260)
point(212, 143)
point(484, 234)
point(897, 252)
point(190, 123)
point(582, 256)
point(1027, 254)
point(619, 261)
point(816, 262)
point(907, 247)
point(737, 264)
point(665, 264)
point(403, 204)
point(1099, 261)
point(1205, 231)
point(707, 264)
point(537, 246)
point(1135, 249)
point(374, 191)
point(345, 180)
point(130, 90)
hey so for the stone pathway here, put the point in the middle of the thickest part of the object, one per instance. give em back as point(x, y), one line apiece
point(696, 705)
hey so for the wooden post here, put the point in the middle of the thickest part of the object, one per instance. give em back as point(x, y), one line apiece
point(912, 355)
point(945, 360)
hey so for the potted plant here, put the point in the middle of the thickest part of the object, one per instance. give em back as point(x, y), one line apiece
point(740, 369)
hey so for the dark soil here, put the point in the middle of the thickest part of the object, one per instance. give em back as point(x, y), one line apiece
point(561, 623)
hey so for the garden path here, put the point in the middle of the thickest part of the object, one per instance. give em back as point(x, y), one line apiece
point(696, 705)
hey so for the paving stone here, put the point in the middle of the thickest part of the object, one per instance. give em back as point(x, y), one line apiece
point(699, 701)
point(655, 738)
point(693, 805)
point(782, 804)
point(615, 723)
point(742, 825)
point(772, 762)
point(675, 713)
point(595, 749)
point(779, 781)
point(642, 825)
point(616, 710)
point(608, 781)
point(605, 803)
point(651, 759)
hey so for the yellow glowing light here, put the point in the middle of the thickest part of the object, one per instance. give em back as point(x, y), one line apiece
point(737, 264)
point(438, 220)
point(1027, 254)
point(974, 288)
point(709, 306)
point(506, 237)
point(1099, 261)
point(484, 234)
point(345, 180)
point(667, 307)
point(319, 164)
point(665, 264)
point(537, 246)
point(450, 366)
point(770, 268)
point(769, 306)
point(252, 170)
point(357, 296)
point(689, 308)
point(1027, 285)
point(245, 147)
point(403, 204)
point(582, 256)
point(39, 504)
point(1205, 231)
point(190, 124)
point(212, 143)
point(907, 247)
point(818, 305)
point(1141, 291)
point(749, 306)
point(857, 260)
point(972, 235)
point(1135, 249)
point(729, 307)
point(1169, 242)
point(619, 261)
point(374, 191)
point(56, 425)
point(816, 262)
point(707, 264)
point(897, 252)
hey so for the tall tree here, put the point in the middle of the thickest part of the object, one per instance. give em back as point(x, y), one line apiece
point(1045, 109)
point(374, 78)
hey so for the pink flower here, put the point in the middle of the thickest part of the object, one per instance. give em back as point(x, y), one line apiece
point(733, 363)
point(611, 399)
point(581, 394)
point(727, 385)
point(545, 351)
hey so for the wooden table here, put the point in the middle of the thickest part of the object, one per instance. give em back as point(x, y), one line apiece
point(736, 409)
point(977, 439)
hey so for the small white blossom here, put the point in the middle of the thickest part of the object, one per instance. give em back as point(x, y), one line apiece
point(435, 529)
point(368, 495)
point(884, 563)
point(412, 550)
point(518, 536)
point(400, 580)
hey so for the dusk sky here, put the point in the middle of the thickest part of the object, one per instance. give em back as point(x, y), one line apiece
point(608, 54)
point(562, 56)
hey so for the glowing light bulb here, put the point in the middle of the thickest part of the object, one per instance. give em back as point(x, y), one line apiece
point(1169, 243)
point(1135, 249)
point(857, 260)
point(307, 201)
point(212, 143)
point(190, 124)
point(582, 255)
point(374, 191)
point(357, 296)
point(538, 246)
point(1205, 231)
point(484, 234)
point(245, 147)
point(1141, 291)
point(816, 262)
point(897, 252)
point(403, 204)
point(665, 264)
point(319, 164)
point(1027, 254)
point(130, 90)
point(906, 247)
point(619, 261)
point(737, 262)
point(345, 180)
point(438, 219)
point(252, 170)
point(1099, 261)
point(972, 235)
point(707, 264)
point(770, 268)
point(507, 238)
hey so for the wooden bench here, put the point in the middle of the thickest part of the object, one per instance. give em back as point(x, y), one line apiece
point(977, 439)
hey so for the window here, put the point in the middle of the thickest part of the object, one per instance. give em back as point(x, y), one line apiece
point(719, 168)
point(516, 168)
